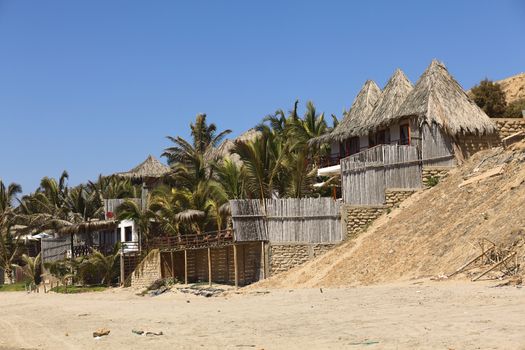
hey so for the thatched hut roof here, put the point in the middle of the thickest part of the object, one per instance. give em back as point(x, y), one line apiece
point(225, 149)
point(438, 98)
point(89, 227)
point(150, 168)
point(393, 95)
point(358, 114)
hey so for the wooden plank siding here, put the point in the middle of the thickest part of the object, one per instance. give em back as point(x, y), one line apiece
point(437, 148)
point(311, 220)
point(365, 176)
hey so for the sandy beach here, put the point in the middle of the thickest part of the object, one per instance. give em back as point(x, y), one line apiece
point(410, 315)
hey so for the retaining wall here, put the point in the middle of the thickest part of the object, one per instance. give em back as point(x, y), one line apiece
point(147, 271)
point(284, 256)
point(394, 196)
point(509, 126)
point(434, 172)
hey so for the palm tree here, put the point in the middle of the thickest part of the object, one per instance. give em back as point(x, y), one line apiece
point(31, 268)
point(205, 138)
point(9, 242)
point(106, 263)
point(262, 159)
point(231, 178)
point(141, 216)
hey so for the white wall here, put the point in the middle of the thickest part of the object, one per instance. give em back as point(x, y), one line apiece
point(122, 231)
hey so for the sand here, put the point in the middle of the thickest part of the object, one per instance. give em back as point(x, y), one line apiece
point(409, 315)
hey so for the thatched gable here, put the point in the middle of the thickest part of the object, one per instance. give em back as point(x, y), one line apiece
point(225, 149)
point(357, 116)
point(394, 93)
point(150, 168)
point(438, 98)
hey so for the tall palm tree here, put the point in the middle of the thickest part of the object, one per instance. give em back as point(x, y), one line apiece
point(204, 139)
point(262, 159)
point(9, 242)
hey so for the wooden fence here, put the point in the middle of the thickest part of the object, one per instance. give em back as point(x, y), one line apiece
point(54, 249)
point(308, 220)
point(111, 205)
point(366, 175)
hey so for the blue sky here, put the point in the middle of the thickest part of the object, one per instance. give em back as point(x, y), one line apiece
point(94, 86)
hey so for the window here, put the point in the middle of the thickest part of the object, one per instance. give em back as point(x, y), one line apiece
point(128, 234)
point(354, 145)
point(404, 134)
point(382, 137)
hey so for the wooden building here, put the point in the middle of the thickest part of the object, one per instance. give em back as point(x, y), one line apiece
point(435, 117)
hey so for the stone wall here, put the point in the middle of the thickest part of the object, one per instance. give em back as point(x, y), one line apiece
point(470, 144)
point(284, 256)
point(394, 196)
point(147, 271)
point(509, 126)
point(358, 217)
point(436, 172)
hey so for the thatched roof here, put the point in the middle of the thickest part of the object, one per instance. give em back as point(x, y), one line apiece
point(89, 227)
point(393, 95)
point(150, 168)
point(358, 114)
point(225, 149)
point(438, 98)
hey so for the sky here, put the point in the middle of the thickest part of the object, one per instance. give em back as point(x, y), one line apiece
point(95, 86)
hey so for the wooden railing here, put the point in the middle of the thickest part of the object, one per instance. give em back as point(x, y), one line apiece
point(204, 240)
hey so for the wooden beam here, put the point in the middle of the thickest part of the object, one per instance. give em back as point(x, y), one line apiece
point(172, 264)
point(209, 266)
point(470, 262)
point(185, 266)
point(493, 267)
point(236, 268)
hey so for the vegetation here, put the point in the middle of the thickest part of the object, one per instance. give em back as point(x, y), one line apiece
point(277, 161)
point(514, 109)
point(490, 97)
point(15, 287)
point(78, 289)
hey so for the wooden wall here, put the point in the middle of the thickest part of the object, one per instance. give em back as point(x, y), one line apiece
point(249, 261)
point(365, 176)
point(437, 147)
point(309, 220)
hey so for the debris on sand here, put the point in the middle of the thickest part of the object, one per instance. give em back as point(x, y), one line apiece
point(101, 332)
point(205, 292)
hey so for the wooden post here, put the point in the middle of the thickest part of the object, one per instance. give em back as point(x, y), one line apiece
point(235, 266)
point(172, 264)
point(263, 258)
point(209, 265)
point(185, 266)
point(122, 269)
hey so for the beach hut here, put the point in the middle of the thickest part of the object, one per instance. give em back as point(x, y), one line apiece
point(444, 123)
point(344, 139)
point(436, 116)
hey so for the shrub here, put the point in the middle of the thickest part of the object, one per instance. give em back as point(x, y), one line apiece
point(490, 98)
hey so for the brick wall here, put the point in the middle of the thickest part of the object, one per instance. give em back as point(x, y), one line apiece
point(358, 217)
point(147, 271)
point(509, 126)
point(284, 256)
point(394, 196)
point(436, 172)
